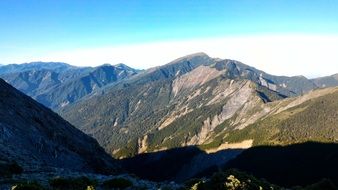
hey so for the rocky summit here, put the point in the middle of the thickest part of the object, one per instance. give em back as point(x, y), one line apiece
point(189, 118)
point(195, 100)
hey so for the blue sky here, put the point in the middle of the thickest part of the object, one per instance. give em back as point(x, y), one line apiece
point(35, 29)
point(88, 23)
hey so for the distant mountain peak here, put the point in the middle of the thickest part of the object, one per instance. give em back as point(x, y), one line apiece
point(301, 76)
point(123, 66)
point(190, 56)
point(105, 64)
point(327, 81)
point(58, 84)
point(196, 54)
point(335, 76)
point(55, 66)
point(42, 63)
point(46, 62)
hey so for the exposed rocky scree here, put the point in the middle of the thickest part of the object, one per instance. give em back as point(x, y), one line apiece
point(194, 100)
point(193, 110)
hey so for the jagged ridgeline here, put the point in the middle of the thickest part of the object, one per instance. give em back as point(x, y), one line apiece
point(194, 100)
point(193, 110)
point(56, 85)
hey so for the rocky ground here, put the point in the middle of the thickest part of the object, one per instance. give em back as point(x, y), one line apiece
point(44, 179)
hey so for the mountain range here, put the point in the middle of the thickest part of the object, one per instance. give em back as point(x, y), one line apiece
point(194, 100)
point(58, 84)
point(198, 112)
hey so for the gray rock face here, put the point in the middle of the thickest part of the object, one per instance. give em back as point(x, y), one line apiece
point(189, 101)
point(287, 86)
point(40, 140)
point(178, 96)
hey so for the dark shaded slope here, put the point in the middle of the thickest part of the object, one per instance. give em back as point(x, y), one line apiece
point(178, 164)
point(39, 140)
point(299, 164)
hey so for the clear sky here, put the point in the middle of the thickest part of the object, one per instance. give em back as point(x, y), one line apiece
point(145, 33)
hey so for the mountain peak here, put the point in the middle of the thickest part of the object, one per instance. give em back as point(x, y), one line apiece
point(190, 56)
point(300, 76)
point(335, 76)
point(197, 54)
point(180, 66)
point(105, 64)
point(45, 64)
point(123, 66)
